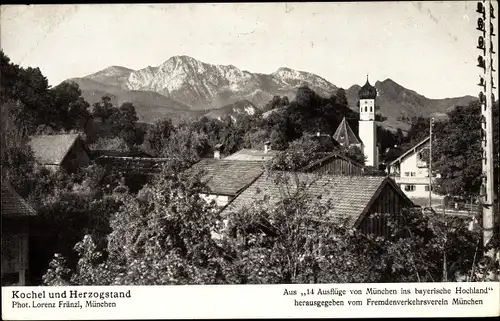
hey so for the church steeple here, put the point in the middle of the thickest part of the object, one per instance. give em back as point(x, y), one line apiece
point(345, 136)
point(367, 91)
point(367, 127)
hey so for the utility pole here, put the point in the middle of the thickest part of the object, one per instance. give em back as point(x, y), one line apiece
point(430, 160)
point(485, 43)
point(445, 265)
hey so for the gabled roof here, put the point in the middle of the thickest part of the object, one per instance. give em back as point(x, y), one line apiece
point(252, 155)
point(326, 158)
point(52, 149)
point(228, 177)
point(351, 196)
point(409, 151)
point(344, 135)
point(14, 205)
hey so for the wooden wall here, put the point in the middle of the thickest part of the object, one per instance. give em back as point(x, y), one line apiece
point(338, 166)
point(388, 202)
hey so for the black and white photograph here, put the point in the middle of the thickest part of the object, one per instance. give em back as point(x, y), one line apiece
point(249, 143)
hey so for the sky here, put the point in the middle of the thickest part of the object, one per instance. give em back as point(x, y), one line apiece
point(429, 47)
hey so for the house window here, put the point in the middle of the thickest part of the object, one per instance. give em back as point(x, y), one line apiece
point(366, 109)
point(427, 188)
point(371, 109)
point(409, 188)
point(413, 174)
point(407, 174)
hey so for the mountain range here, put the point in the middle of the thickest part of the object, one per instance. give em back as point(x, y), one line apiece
point(183, 87)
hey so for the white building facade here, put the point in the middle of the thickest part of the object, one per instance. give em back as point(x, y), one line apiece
point(411, 172)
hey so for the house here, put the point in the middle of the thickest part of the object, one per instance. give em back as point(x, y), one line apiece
point(16, 214)
point(411, 171)
point(353, 198)
point(336, 164)
point(225, 179)
point(61, 151)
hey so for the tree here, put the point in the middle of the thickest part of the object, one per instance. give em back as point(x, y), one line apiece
point(186, 145)
point(341, 98)
point(353, 152)
point(69, 207)
point(299, 153)
point(69, 107)
point(419, 130)
point(388, 141)
point(164, 236)
point(104, 109)
point(294, 240)
point(18, 162)
point(110, 143)
point(31, 88)
point(457, 152)
point(60, 108)
point(123, 121)
point(276, 102)
point(157, 136)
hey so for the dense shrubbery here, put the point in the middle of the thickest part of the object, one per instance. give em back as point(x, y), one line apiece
point(169, 235)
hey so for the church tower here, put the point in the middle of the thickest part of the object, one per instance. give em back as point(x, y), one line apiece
point(367, 128)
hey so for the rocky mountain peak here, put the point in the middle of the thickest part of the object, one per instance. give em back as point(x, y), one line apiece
point(202, 86)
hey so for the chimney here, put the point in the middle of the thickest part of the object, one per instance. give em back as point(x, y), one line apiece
point(267, 146)
point(217, 151)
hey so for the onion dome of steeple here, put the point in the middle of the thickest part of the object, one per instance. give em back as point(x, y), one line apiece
point(367, 91)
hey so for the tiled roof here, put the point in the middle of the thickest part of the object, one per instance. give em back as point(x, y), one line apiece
point(350, 196)
point(14, 205)
point(344, 135)
point(252, 155)
point(133, 165)
point(228, 177)
point(51, 149)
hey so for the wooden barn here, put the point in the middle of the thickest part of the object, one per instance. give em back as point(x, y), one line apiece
point(16, 215)
point(352, 200)
point(61, 151)
point(336, 164)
